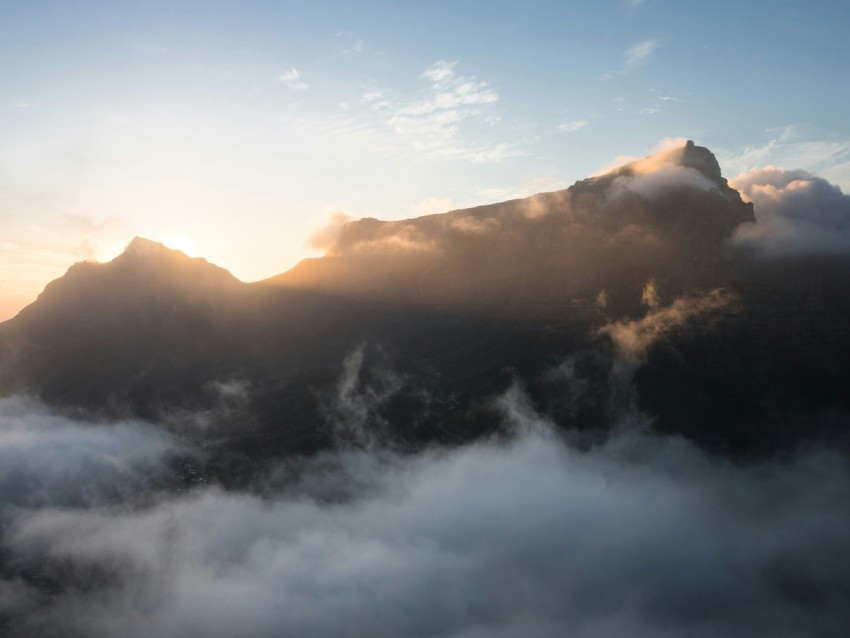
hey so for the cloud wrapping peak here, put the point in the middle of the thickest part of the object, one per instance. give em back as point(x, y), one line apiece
point(796, 213)
point(655, 183)
point(655, 175)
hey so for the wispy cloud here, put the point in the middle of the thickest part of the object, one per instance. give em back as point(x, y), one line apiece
point(790, 147)
point(450, 91)
point(633, 58)
point(292, 79)
point(452, 117)
point(635, 3)
point(639, 54)
point(357, 47)
point(372, 95)
point(633, 338)
point(432, 124)
point(352, 44)
point(571, 126)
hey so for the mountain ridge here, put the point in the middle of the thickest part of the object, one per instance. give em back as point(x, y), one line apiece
point(432, 318)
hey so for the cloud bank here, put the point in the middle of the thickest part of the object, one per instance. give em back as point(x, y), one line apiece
point(641, 536)
point(50, 460)
point(796, 213)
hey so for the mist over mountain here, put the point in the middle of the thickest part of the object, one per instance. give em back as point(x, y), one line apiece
point(666, 216)
point(432, 317)
point(616, 409)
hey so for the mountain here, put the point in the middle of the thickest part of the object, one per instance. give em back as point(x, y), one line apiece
point(622, 298)
point(664, 217)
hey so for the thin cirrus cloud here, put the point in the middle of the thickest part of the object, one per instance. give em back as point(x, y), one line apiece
point(790, 146)
point(639, 54)
point(292, 79)
point(434, 124)
point(451, 118)
point(571, 126)
point(450, 92)
point(633, 58)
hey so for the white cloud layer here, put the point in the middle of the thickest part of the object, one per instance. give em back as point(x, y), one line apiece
point(50, 460)
point(642, 536)
point(796, 213)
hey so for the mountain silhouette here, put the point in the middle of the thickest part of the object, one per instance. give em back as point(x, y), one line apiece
point(622, 297)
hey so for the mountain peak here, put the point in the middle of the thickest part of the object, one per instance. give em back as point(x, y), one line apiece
point(687, 155)
point(142, 250)
point(701, 159)
point(139, 246)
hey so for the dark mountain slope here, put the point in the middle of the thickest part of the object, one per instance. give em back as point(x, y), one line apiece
point(94, 335)
point(619, 300)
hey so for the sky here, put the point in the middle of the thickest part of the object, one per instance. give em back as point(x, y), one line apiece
point(233, 130)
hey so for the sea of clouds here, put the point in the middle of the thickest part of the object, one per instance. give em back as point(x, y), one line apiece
point(520, 535)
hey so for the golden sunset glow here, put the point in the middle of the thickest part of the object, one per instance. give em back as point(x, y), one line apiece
point(181, 243)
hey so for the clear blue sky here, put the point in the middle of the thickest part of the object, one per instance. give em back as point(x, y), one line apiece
point(239, 126)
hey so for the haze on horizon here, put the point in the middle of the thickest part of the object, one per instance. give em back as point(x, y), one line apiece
point(236, 130)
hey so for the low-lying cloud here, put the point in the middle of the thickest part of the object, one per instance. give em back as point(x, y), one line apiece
point(796, 213)
point(641, 536)
point(50, 460)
